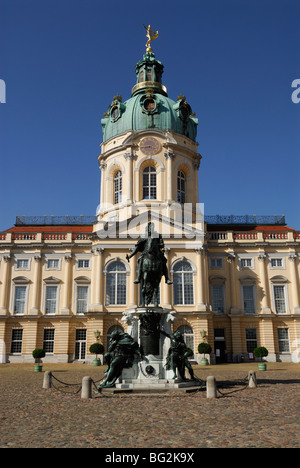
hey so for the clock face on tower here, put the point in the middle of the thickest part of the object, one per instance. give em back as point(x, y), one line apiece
point(149, 146)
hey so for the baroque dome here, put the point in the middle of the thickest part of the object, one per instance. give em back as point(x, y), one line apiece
point(149, 106)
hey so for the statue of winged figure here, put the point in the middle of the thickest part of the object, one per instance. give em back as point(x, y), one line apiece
point(151, 35)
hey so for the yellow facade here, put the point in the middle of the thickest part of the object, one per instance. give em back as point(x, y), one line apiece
point(64, 285)
point(242, 284)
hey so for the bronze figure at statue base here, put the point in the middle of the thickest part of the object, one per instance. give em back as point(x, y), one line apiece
point(149, 356)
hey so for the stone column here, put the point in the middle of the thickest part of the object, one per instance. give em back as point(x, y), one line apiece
point(200, 289)
point(129, 156)
point(293, 258)
point(5, 277)
point(98, 279)
point(169, 156)
point(35, 294)
point(65, 310)
point(233, 297)
point(265, 301)
point(102, 166)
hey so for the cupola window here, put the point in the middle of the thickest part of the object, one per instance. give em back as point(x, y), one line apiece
point(149, 183)
point(180, 187)
point(118, 187)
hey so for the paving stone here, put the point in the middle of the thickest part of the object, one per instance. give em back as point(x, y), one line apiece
point(264, 417)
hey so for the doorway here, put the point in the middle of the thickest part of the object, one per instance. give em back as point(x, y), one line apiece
point(220, 345)
point(80, 345)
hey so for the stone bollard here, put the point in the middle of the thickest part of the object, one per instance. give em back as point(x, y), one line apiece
point(47, 383)
point(252, 379)
point(211, 387)
point(86, 389)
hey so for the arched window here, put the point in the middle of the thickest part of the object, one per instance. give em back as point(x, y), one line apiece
point(149, 183)
point(188, 335)
point(110, 331)
point(183, 284)
point(116, 283)
point(118, 187)
point(180, 187)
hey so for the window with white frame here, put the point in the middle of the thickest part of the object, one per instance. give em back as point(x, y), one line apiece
point(251, 339)
point(283, 340)
point(20, 299)
point(116, 283)
point(48, 343)
point(246, 262)
point(118, 187)
point(183, 284)
point(82, 299)
point(277, 263)
point(53, 264)
point(22, 264)
point(248, 292)
point(16, 341)
point(279, 298)
point(217, 298)
point(83, 264)
point(149, 183)
point(51, 299)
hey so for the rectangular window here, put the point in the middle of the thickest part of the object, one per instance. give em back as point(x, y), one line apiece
point(283, 340)
point(82, 299)
point(216, 263)
point(279, 297)
point(22, 264)
point(51, 299)
point(217, 298)
point(83, 263)
point(48, 344)
point(246, 262)
point(20, 300)
point(276, 263)
point(251, 339)
point(248, 299)
point(16, 341)
point(53, 264)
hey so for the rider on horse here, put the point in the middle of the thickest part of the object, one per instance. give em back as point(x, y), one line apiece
point(150, 244)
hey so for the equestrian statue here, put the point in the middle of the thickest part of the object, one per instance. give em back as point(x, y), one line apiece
point(152, 265)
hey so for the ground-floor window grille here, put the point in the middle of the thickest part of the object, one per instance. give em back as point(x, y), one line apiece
point(283, 340)
point(16, 341)
point(48, 344)
point(251, 339)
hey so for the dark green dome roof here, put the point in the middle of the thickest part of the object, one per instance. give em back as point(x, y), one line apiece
point(149, 106)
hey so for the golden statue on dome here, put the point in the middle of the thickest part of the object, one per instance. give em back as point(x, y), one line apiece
point(151, 35)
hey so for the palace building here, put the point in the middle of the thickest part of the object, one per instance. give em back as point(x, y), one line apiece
point(65, 282)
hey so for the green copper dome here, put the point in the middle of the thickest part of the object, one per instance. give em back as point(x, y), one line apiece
point(149, 106)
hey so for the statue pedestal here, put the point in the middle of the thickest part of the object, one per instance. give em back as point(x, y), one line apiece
point(144, 325)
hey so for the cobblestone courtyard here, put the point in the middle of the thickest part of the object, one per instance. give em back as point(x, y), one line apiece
point(267, 416)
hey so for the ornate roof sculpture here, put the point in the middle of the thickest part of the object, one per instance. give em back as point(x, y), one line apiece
point(149, 105)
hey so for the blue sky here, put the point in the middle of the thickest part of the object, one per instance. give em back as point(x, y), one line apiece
point(234, 60)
